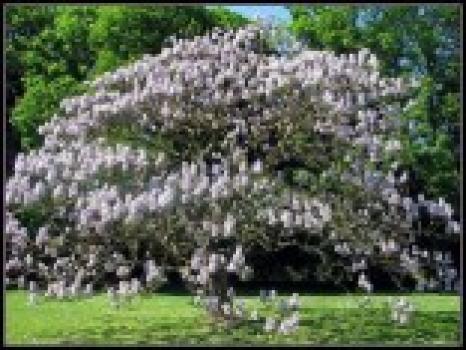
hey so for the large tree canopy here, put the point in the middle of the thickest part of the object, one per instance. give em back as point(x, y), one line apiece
point(168, 155)
point(216, 196)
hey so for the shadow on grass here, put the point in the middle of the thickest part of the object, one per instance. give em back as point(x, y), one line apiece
point(317, 326)
point(177, 288)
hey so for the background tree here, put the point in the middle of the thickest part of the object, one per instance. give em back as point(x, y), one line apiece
point(51, 50)
point(424, 40)
point(22, 23)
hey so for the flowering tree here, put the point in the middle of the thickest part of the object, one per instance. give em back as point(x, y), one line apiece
point(216, 119)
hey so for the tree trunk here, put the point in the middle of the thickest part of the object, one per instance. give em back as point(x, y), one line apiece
point(218, 287)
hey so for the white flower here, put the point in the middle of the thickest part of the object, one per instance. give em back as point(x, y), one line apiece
point(226, 309)
point(88, 289)
point(135, 286)
point(29, 259)
point(284, 327)
point(122, 271)
point(32, 298)
point(403, 318)
point(254, 315)
point(257, 167)
point(269, 324)
point(230, 292)
point(293, 302)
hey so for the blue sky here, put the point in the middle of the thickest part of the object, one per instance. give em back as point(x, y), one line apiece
point(262, 10)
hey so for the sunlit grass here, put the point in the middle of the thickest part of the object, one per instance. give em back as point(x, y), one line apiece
point(164, 318)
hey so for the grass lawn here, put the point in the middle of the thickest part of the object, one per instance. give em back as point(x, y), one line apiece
point(165, 318)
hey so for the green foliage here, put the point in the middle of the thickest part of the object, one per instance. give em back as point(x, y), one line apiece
point(22, 23)
point(53, 61)
point(326, 27)
point(40, 102)
point(224, 18)
point(122, 34)
point(431, 153)
point(421, 40)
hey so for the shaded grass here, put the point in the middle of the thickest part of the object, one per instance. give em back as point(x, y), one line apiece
point(158, 319)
